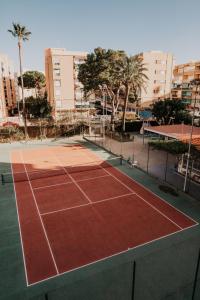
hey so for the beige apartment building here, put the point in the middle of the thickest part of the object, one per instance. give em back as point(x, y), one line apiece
point(159, 71)
point(183, 75)
point(61, 70)
point(8, 86)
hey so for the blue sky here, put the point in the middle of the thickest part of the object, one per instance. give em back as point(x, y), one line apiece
point(82, 25)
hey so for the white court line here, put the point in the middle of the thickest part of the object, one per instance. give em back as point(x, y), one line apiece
point(87, 204)
point(44, 230)
point(20, 233)
point(64, 183)
point(131, 190)
point(146, 188)
point(144, 200)
point(73, 180)
point(113, 255)
point(52, 185)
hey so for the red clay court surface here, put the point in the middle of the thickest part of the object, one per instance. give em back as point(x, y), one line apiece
point(70, 217)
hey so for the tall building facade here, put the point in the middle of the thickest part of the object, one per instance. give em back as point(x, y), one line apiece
point(62, 85)
point(8, 86)
point(183, 75)
point(159, 72)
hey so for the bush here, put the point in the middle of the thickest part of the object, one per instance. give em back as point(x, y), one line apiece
point(10, 133)
point(174, 147)
point(134, 126)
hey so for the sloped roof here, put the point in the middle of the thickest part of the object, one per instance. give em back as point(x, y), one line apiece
point(179, 132)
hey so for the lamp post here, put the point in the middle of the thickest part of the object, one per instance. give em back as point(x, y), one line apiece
point(196, 83)
point(81, 104)
point(102, 88)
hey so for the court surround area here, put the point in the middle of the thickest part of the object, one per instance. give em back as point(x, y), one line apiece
point(78, 210)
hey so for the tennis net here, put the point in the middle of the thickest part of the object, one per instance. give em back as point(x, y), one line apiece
point(61, 170)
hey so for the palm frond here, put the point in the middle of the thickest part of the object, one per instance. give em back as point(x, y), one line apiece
point(12, 32)
point(19, 31)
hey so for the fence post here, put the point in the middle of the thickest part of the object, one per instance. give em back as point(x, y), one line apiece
point(196, 276)
point(133, 158)
point(111, 141)
point(121, 145)
point(46, 296)
point(190, 174)
point(148, 150)
point(166, 163)
point(133, 281)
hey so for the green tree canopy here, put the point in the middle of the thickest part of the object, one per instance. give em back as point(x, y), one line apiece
point(168, 111)
point(33, 79)
point(38, 107)
point(101, 74)
point(132, 72)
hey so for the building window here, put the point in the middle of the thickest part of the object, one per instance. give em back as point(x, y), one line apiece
point(162, 72)
point(189, 68)
point(56, 72)
point(58, 103)
point(57, 92)
point(57, 83)
point(78, 61)
point(56, 61)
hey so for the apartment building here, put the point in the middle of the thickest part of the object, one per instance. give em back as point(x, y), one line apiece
point(62, 85)
point(183, 75)
point(8, 86)
point(159, 71)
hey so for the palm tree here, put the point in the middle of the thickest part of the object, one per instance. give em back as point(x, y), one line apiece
point(133, 78)
point(22, 34)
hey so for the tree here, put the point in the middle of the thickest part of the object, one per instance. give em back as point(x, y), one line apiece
point(168, 110)
point(38, 108)
point(133, 76)
point(33, 80)
point(101, 74)
point(22, 35)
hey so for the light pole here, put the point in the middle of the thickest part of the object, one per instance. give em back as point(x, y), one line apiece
point(196, 83)
point(102, 88)
point(81, 104)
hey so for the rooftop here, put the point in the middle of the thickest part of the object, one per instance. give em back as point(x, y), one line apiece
point(179, 132)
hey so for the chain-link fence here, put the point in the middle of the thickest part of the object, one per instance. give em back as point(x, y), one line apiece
point(136, 152)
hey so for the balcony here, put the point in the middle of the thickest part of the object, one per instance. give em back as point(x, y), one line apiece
point(197, 70)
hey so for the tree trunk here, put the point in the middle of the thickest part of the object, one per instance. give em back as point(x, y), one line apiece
point(22, 85)
point(125, 106)
point(113, 112)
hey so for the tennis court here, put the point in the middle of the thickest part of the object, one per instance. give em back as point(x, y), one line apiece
point(75, 209)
